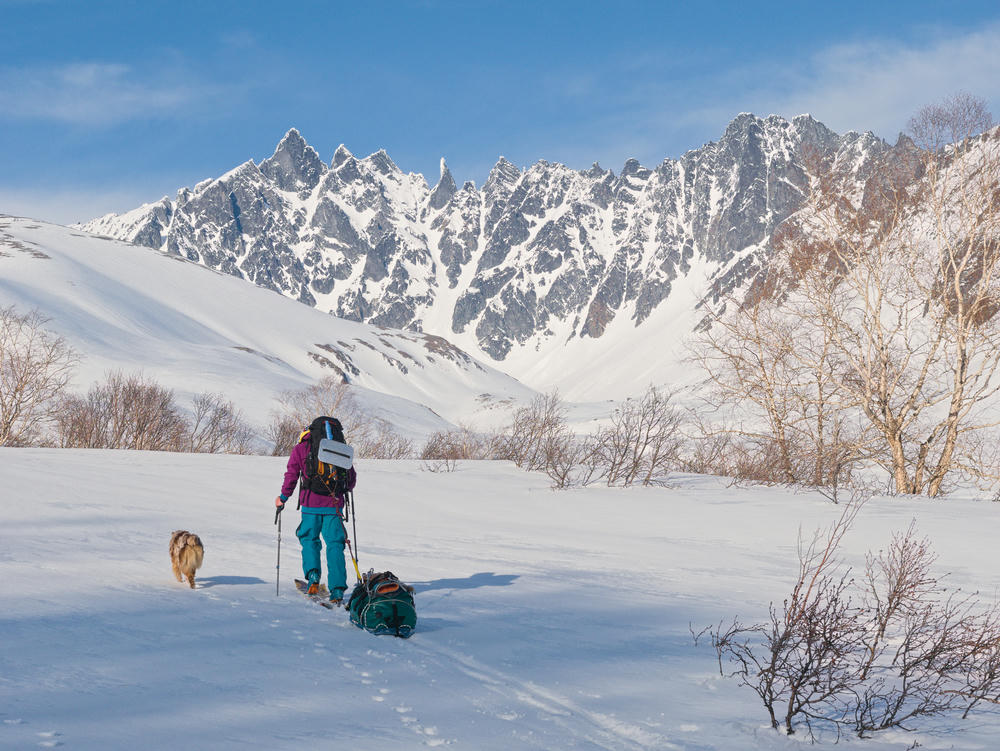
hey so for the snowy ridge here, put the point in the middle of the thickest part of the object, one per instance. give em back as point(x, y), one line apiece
point(538, 264)
point(196, 330)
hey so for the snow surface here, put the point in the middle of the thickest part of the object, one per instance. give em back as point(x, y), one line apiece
point(192, 329)
point(546, 620)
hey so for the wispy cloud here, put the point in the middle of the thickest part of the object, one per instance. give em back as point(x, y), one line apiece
point(874, 84)
point(91, 93)
point(650, 105)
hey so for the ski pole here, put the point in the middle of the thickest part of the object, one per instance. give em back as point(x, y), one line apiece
point(277, 568)
point(350, 550)
point(354, 526)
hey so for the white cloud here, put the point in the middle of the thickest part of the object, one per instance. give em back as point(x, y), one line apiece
point(89, 93)
point(875, 84)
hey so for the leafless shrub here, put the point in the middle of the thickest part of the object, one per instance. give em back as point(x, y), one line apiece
point(642, 443)
point(123, 412)
point(283, 433)
point(328, 396)
point(375, 438)
point(445, 448)
point(35, 370)
point(747, 459)
point(371, 437)
point(709, 453)
point(462, 443)
point(217, 426)
point(870, 655)
point(534, 433)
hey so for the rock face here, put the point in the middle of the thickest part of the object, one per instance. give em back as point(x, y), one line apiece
point(533, 258)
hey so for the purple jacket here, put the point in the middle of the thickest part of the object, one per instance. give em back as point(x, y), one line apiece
point(308, 499)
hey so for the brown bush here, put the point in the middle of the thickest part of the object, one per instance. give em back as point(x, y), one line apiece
point(218, 427)
point(866, 655)
point(123, 412)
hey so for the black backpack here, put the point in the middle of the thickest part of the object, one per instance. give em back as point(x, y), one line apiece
point(322, 478)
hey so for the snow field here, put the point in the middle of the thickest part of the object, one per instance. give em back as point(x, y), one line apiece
point(546, 620)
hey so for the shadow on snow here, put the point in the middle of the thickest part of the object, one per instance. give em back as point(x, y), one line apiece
point(215, 581)
point(484, 579)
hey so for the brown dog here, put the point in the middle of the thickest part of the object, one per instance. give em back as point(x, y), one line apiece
point(186, 555)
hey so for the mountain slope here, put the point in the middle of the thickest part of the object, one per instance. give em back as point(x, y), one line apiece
point(196, 330)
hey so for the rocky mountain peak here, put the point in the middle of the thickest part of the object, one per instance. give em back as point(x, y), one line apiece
point(502, 178)
point(532, 261)
point(295, 165)
point(381, 162)
point(341, 155)
point(444, 189)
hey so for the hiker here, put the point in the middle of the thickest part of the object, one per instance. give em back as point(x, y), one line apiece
point(321, 500)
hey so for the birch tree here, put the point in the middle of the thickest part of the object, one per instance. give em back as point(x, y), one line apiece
point(35, 369)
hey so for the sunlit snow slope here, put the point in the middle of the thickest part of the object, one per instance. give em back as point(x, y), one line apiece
point(193, 329)
point(547, 621)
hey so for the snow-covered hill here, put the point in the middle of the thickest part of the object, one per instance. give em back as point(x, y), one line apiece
point(544, 621)
point(550, 270)
point(196, 330)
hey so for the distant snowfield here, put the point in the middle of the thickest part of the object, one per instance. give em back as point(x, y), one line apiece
point(122, 306)
point(546, 620)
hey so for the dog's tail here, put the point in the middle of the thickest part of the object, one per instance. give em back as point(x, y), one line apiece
point(192, 554)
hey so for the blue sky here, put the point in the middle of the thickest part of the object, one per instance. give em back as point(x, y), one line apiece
point(106, 105)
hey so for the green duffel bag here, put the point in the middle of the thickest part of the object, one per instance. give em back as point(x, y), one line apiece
point(382, 604)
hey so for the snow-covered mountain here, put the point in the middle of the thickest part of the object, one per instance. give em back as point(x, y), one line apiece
point(196, 330)
point(548, 270)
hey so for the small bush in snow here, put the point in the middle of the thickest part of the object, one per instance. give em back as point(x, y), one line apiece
point(864, 654)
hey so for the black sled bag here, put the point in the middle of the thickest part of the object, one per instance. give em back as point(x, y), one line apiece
point(382, 604)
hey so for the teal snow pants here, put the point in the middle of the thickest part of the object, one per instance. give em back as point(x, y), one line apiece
point(331, 528)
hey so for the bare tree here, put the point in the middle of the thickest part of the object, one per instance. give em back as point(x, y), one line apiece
point(642, 442)
point(773, 387)
point(534, 431)
point(881, 305)
point(283, 433)
point(124, 412)
point(953, 121)
point(445, 448)
point(328, 396)
point(35, 369)
point(912, 306)
point(218, 427)
point(375, 438)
